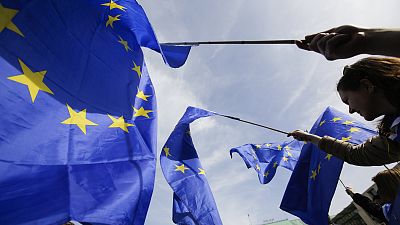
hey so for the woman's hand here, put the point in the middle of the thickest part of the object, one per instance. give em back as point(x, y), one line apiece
point(304, 136)
point(349, 191)
point(336, 43)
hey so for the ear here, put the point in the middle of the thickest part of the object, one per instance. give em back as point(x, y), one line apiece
point(368, 85)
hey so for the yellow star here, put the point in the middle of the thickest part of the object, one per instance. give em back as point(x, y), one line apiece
point(124, 43)
point(114, 5)
point(354, 129)
point(34, 80)
point(328, 156)
point(111, 20)
point(289, 154)
point(201, 171)
point(254, 157)
point(142, 112)
point(321, 123)
point(346, 138)
point(268, 145)
point(279, 147)
point(258, 146)
point(287, 148)
point(181, 168)
point(336, 119)
point(166, 150)
point(314, 174)
point(275, 164)
point(285, 159)
point(140, 94)
point(78, 119)
point(258, 167)
point(319, 167)
point(348, 122)
point(6, 15)
point(266, 174)
point(136, 68)
point(120, 123)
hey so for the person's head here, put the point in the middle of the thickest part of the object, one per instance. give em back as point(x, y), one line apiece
point(388, 183)
point(371, 87)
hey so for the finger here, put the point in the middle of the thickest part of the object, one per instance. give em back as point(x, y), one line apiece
point(322, 42)
point(309, 38)
point(333, 44)
point(338, 39)
point(314, 42)
point(303, 45)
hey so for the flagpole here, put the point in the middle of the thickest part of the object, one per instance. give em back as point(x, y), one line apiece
point(244, 42)
point(342, 183)
point(255, 124)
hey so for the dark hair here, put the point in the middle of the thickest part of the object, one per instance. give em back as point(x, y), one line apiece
point(388, 182)
point(384, 74)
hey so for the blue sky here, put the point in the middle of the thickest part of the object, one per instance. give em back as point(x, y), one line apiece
point(280, 86)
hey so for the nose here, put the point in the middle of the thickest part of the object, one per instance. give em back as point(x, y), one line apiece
point(351, 111)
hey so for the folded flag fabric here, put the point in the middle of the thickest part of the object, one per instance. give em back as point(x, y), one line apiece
point(266, 157)
point(193, 201)
point(78, 125)
point(313, 182)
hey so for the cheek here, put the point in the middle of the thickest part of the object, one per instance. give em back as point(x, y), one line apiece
point(361, 101)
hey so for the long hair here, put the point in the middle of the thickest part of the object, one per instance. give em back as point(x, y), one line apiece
point(384, 74)
point(388, 182)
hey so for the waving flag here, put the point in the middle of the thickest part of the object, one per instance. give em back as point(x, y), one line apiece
point(265, 158)
point(193, 200)
point(78, 111)
point(313, 182)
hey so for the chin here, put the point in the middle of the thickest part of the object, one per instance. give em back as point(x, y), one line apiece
point(369, 118)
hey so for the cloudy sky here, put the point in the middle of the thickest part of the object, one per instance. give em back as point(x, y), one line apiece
point(280, 86)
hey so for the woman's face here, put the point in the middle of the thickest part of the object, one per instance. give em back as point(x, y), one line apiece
point(362, 102)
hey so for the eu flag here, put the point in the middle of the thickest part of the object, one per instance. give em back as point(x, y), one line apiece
point(193, 202)
point(313, 182)
point(266, 157)
point(78, 111)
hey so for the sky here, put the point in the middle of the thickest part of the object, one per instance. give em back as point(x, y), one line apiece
point(279, 86)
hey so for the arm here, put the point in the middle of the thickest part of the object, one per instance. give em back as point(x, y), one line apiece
point(348, 41)
point(369, 206)
point(375, 152)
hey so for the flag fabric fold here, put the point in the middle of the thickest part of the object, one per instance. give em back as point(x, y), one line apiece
point(193, 202)
point(266, 157)
point(174, 56)
point(79, 116)
point(313, 182)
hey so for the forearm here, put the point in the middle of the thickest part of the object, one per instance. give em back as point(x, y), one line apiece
point(374, 152)
point(382, 42)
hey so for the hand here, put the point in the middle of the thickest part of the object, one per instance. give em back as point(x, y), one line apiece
point(337, 43)
point(304, 136)
point(349, 191)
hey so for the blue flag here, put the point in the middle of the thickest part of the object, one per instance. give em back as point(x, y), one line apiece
point(78, 111)
point(266, 157)
point(313, 182)
point(193, 202)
